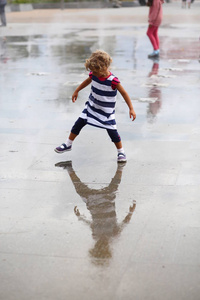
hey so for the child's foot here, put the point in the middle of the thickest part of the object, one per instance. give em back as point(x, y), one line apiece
point(155, 53)
point(121, 157)
point(65, 165)
point(63, 148)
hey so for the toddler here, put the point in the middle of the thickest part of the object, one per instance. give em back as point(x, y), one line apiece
point(99, 110)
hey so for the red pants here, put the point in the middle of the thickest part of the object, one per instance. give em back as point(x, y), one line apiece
point(152, 33)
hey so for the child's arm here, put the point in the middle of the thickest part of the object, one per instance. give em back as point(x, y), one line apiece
point(128, 101)
point(80, 87)
point(81, 217)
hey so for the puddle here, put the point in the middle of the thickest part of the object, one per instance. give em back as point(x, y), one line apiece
point(100, 203)
point(149, 100)
point(48, 68)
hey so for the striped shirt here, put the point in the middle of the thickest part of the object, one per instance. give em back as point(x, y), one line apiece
point(99, 110)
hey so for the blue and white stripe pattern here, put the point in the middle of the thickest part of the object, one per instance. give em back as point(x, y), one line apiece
point(99, 110)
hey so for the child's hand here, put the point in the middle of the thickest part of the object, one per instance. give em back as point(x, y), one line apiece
point(74, 96)
point(132, 114)
point(76, 211)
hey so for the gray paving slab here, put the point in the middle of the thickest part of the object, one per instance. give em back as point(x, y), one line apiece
point(78, 225)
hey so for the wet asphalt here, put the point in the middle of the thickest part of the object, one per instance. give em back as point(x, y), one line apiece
point(78, 225)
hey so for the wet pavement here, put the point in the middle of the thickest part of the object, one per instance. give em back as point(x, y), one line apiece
point(77, 225)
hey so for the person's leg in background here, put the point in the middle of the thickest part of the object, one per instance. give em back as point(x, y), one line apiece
point(155, 32)
point(3, 15)
point(152, 34)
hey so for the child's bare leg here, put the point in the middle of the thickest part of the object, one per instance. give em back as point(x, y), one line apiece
point(72, 136)
point(70, 139)
point(118, 145)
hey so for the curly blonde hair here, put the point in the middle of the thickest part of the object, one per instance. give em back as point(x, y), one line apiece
point(98, 61)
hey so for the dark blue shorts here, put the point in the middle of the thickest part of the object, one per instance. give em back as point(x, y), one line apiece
point(80, 123)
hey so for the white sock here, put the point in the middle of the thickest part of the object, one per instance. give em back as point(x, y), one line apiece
point(69, 142)
point(121, 150)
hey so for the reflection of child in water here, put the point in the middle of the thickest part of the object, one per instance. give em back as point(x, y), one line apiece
point(154, 92)
point(184, 3)
point(101, 204)
point(3, 57)
point(99, 110)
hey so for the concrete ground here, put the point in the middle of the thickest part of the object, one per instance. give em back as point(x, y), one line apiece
point(77, 225)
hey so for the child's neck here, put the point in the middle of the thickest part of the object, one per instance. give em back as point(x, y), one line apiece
point(105, 74)
point(102, 74)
